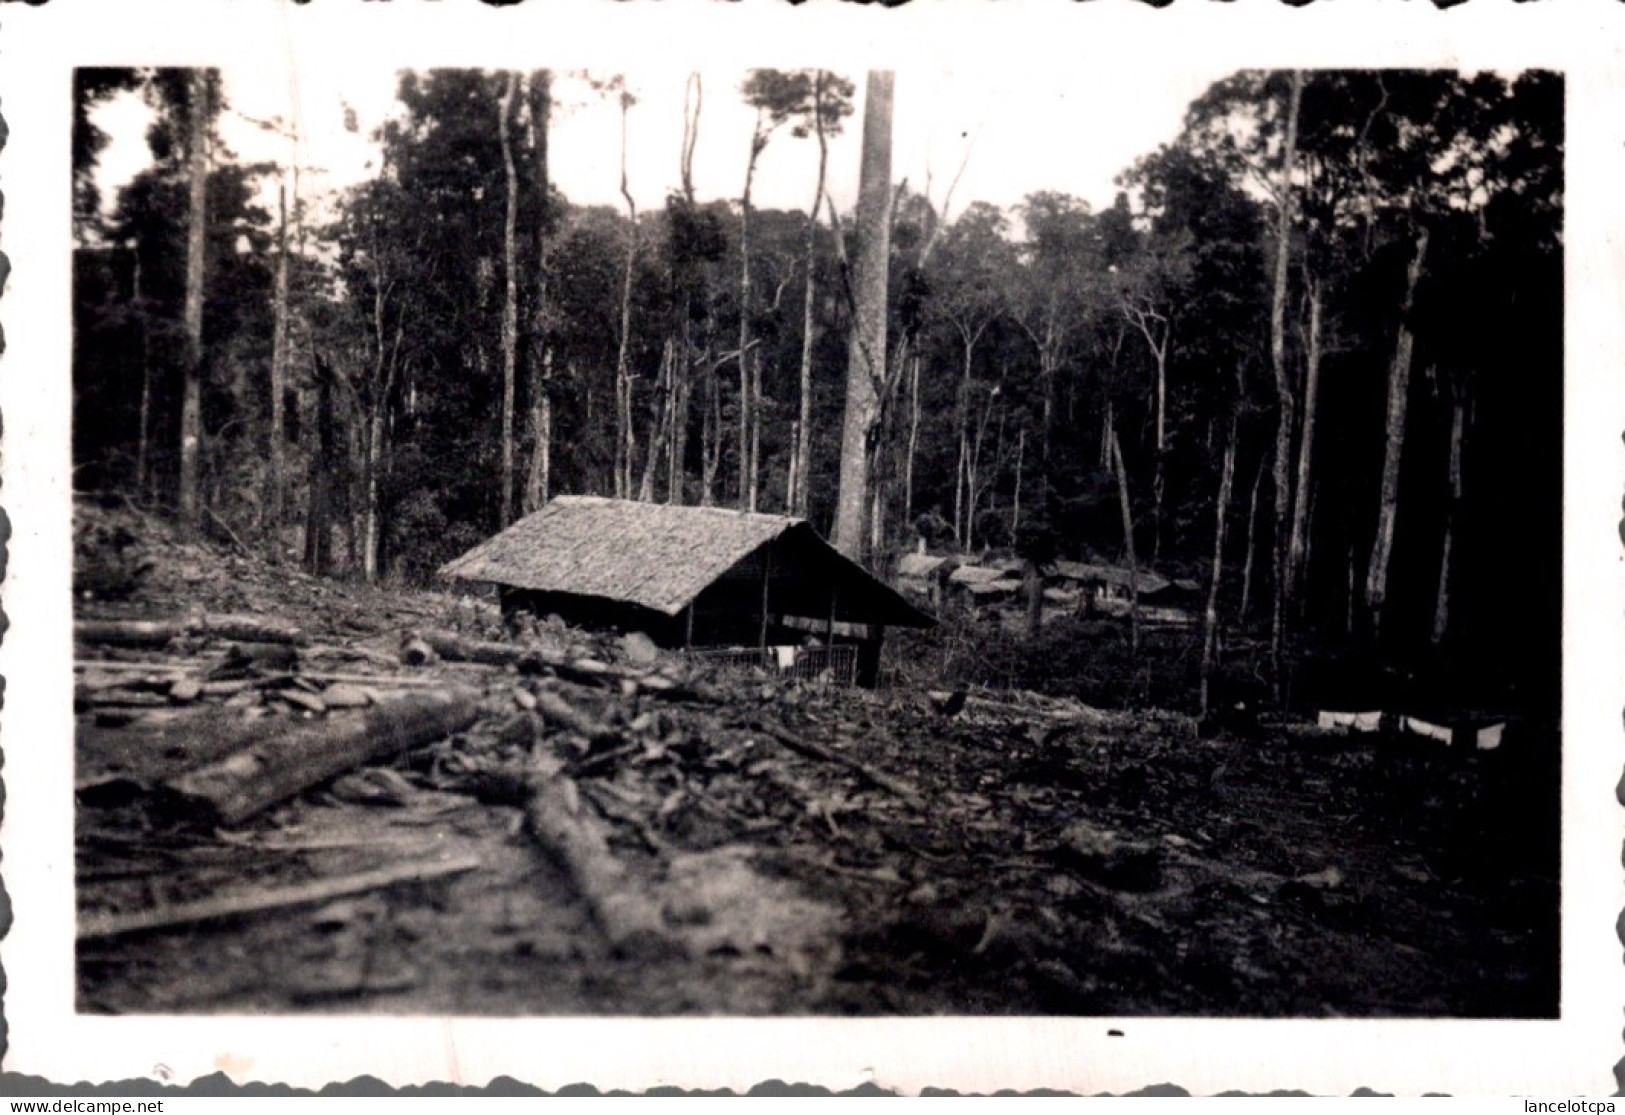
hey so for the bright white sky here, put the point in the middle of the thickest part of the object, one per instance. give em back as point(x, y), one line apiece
point(1072, 131)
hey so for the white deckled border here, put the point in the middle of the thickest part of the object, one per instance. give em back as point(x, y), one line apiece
point(40, 46)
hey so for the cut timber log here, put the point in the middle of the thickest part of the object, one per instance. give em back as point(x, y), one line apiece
point(305, 894)
point(455, 648)
point(818, 751)
point(574, 839)
point(562, 713)
point(282, 761)
point(156, 633)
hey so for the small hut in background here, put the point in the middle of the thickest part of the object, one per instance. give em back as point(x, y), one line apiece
point(692, 577)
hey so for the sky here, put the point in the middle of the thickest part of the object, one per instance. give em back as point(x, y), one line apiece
point(1012, 133)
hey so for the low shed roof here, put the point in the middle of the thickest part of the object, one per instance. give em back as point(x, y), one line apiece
point(661, 556)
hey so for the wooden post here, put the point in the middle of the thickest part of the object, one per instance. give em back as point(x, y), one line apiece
point(829, 632)
point(767, 573)
point(688, 626)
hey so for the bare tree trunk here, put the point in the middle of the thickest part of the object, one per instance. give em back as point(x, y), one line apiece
point(279, 377)
point(318, 517)
point(913, 437)
point(1286, 401)
point(538, 482)
point(803, 448)
point(1210, 616)
point(625, 436)
point(1156, 330)
point(197, 222)
point(747, 403)
point(1441, 604)
point(1298, 548)
point(1128, 543)
point(1252, 532)
point(677, 458)
point(866, 357)
point(372, 464)
point(142, 447)
point(510, 293)
point(1399, 387)
point(710, 433)
point(1015, 502)
point(659, 424)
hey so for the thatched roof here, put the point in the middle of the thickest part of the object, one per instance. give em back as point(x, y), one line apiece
point(977, 575)
point(659, 556)
point(1145, 581)
point(919, 565)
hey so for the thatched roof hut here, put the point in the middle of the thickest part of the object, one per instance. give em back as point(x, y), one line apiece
point(685, 575)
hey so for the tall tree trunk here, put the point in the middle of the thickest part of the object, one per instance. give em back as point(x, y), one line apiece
point(1156, 330)
point(279, 378)
point(625, 436)
point(319, 515)
point(1128, 543)
point(866, 354)
point(677, 458)
point(1441, 602)
point(913, 438)
point(1015, 500)
point(539, 480)
point(1285, 399)
point(962, 406)
point(659, 423)
point(510, 292)
point(1399, 390)
point(1210, 615)
point(747, 383)
point(1252, 544)
point(710, 432)
point(197, 222)
point(1298, 547)
point(803, 449)
point(373, 464)
point(142, 448)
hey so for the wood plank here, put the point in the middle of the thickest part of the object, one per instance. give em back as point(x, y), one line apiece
point(104, 926)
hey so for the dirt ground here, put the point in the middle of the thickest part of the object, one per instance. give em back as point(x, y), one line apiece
point(799, 848)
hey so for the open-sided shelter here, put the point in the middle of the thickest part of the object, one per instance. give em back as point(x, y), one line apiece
point(688, 577)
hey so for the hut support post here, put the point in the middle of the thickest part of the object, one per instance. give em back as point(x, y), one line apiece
point(767, 574)
point(829, 629)
point(688, 626)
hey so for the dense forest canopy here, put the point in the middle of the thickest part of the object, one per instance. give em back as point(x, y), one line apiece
point(1312, 355)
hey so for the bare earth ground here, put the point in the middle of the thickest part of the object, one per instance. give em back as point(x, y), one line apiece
point(1028, 855)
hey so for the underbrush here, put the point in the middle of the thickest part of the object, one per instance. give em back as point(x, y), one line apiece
point(1090, 658)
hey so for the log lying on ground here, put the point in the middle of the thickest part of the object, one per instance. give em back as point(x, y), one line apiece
point(156, 633)
point(562, 713)
point(304, 894)
point(455, 648)
point(283, 761)
point(575, 840)
point(534, 659)
point(817, 751)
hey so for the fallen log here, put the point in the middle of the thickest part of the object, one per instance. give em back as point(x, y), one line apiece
point(104, 926)
point(575, 840)
point(279, 762)
point(455, 648)
point(562, 713)
point(157, 633)
point(127, 633)
point(817, 751)
point(247, 629)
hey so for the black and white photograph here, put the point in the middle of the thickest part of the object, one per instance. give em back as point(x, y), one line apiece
point(848, 540)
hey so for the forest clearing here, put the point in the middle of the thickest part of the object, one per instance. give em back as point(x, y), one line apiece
point(730, 842)
point(659, 601)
